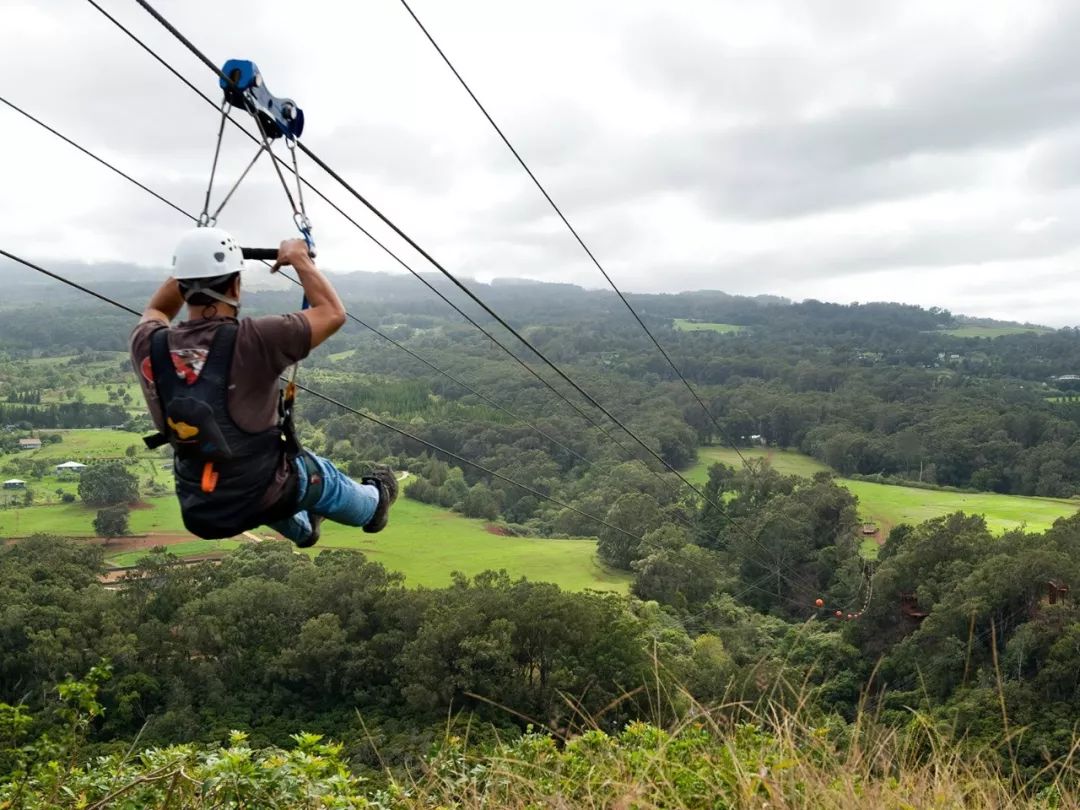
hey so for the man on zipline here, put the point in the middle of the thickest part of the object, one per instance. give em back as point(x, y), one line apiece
point(212, 386)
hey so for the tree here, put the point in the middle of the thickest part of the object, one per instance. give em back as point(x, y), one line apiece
point(112, 521)
point(675, 572)
point(131, 451)
point(481, 502)
point(630, 517)
point(108, 485)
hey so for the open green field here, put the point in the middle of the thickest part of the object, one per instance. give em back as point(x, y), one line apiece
point(972, 331)
point(787, 462)
point(423, 542)
point(99, 395)
point(191, 548)
point(685, 325)
point(49, 361)
point(102, 443)
point(427, 544)
point(76, 520)
point(889, 504)
point(84, 446)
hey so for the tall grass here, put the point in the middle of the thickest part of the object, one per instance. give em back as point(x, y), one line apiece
point(738, 756)
point(775, 753)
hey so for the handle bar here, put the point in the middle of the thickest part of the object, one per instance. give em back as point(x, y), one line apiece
point(267, 254)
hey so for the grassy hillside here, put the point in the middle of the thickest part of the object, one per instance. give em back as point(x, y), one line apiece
point(424, 542)
point(686, 325)
point(427, 543)
point(723, 758)
point(972, 331)
point(887, 504)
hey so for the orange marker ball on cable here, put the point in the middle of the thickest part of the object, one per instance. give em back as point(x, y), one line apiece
point(819, 602)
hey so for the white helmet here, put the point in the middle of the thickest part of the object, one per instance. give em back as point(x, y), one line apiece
point(205, 253)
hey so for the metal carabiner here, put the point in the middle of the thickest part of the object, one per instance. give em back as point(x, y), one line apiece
point(303, 224)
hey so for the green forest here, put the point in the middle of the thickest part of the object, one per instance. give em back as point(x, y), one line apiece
point(758, 650)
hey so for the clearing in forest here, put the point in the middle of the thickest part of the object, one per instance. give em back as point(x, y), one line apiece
point(889, 504)
point(424, 542)
point(973, 331)
point(686, 325)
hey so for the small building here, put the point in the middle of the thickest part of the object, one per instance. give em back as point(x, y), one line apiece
point(29, 444)
point(1056, 591)
point(869, 529)
point(14, 483)
point(70, 467)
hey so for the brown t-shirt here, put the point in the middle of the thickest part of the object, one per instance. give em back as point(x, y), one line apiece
point(265, 347)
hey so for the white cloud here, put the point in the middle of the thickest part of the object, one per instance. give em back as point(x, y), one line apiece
point(918, 151)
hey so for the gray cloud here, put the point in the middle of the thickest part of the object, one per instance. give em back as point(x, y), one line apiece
point(673, 135)
point(931, 136)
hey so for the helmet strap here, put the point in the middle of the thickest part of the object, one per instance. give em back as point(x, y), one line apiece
point(195, 287)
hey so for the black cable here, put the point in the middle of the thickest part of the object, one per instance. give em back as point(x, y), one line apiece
point(500, 320)
point(438, 266)
point(385, 337)
point(355, 411)
point(377, 421)
point(319, 162)
point(70, 283)
point(90, 154)
point(589, 419)
point(572, 230)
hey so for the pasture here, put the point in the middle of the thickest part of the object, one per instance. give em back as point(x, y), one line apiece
point(89, 444)
point(424, 542)
point(686, 325)
point(187, 548)
point(973, 331)
point(427, 543)
point(84, 446)
point(786, 462)
point(889, 504)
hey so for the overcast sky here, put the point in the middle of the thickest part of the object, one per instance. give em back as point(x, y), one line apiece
point(845, 150)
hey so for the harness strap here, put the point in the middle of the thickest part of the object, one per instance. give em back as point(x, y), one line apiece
point(209, 477)
point(288, 429)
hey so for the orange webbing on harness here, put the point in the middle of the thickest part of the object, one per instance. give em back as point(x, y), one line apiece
point(209, 477)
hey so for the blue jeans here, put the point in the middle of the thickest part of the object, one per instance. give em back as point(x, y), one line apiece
point(342, 501)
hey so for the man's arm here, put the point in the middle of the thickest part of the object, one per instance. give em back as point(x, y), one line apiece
point(165, 304)
point(325, 312)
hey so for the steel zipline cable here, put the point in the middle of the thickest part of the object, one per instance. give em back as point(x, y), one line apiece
point(406, 434)
point(367, 326)
point(110, 166)
point(469, 319)
point(417, 275)
point(355, 411)
point(318, 161)
point(438, 266)
point(573, 231)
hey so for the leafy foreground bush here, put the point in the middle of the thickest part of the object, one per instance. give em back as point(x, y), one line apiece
point(709, 761)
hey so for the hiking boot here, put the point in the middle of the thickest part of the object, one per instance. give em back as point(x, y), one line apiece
point(386, 483)
point(316, 531)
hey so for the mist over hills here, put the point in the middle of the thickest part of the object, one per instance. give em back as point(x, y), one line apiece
point(520, 298)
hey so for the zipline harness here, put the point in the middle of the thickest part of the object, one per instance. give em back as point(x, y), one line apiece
point(208, 444)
